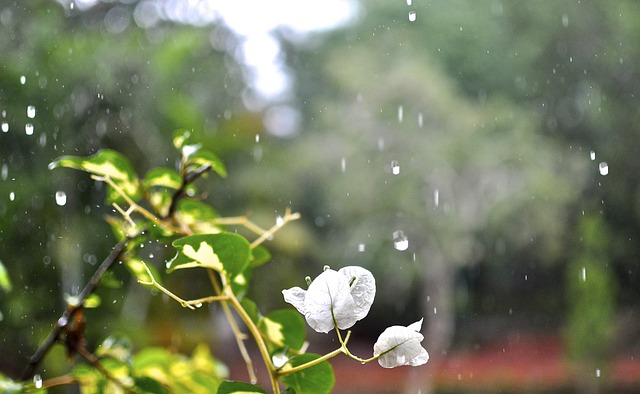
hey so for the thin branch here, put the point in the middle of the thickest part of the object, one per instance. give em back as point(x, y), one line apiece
point(288, 217)
point(239, 335)
point(154, 283)
point(186, 181)
point(68, 314)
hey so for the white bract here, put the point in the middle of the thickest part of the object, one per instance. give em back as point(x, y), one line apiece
point(399, 345)
point(334, 298)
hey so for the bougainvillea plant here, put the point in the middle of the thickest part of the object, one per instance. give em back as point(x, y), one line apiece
point(164, 206)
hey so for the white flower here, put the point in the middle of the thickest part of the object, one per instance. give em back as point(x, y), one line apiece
point(335, 298)
point(399, 345)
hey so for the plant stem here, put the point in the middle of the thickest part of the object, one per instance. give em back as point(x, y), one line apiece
point(257, 337)
point(68, 314)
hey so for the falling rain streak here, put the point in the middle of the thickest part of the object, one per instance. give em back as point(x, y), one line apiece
point(400, 241)
point(395, 167)
point(61, 198)
point(603, 167)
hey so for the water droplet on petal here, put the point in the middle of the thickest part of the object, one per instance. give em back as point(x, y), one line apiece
point(412, 16)
point(400, 241)
point(603, 167)
point(31, 112)
point(61, 198)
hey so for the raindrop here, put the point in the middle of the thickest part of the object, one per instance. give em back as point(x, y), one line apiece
point(257, 138)
point(435, 310)
point(31, 112)
point(412, 16)
point(343, 164)
point(603, 167)
point(37, 381)
point(279, 221)
point(420, 120)
point(395, 167)
point(199, 305)
point(565, 20)
point(361, 247)
point(400, 113)
point(61, 198)
point(592, 155)
point(409, 2)
point(597, 372)
point(5, 127)
point(23, 79)
point(12, 196)
point(436, 198)
point(325, 268)
point(167, 264)
point(42, 140)
point(4, 172)
point(400, 241)
point(28, 128)
point(583, 274)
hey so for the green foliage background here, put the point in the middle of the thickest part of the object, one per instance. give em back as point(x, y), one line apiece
point(495, 107)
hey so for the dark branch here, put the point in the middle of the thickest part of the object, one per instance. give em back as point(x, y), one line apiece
point(186, 181)
point(68, 314)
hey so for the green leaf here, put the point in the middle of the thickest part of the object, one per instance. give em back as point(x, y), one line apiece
point(223, 252)
point(117, 347)
point(106, 163)
point(181, 137)
point(5, 281)
point(162, 177)
point(233, 387)
point(318, 379)
point(252, 310)
point(259, 256)
point(137, 268)
point(8, 386)
point(203, 157)
point(91, 301)
point(198, 216)
point(284, 327)
point(150, 385)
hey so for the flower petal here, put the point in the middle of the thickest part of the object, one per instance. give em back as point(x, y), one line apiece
point(363, 289)
point(328, 297)
point(399, 345)
point(295, 296)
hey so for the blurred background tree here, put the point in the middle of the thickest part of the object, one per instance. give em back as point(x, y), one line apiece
point(451, 147)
